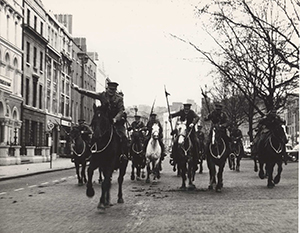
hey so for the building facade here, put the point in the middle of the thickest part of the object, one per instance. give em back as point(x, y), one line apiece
point(11, 17)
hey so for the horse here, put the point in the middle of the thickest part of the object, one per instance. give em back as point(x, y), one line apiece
point(106, 155)
point(270, 152)
point(81, 152)
point(201, 154)
point(217, 154)
point(183, 155)
point(137, 154)
point(153, 154)
point(235, 156)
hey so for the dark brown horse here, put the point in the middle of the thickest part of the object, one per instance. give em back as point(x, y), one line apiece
point(217, 154)
point(137, 154)
point(234, 159)
point(81, 152)
point(106, 155)
point(183, 156)
point(270, 152)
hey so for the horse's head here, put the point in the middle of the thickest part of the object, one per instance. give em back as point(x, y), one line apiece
point(155, 131)
point(74, 133)
point(136, 135)
point(181, 130)
point(101, 122)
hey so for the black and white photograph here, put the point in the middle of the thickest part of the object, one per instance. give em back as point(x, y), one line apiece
point(168, 116)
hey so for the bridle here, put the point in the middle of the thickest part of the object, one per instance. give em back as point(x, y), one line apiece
point(94, 147)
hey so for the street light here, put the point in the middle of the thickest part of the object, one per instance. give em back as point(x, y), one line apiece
point(84, 59)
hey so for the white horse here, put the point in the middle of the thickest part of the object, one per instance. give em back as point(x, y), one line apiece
point(153, 154)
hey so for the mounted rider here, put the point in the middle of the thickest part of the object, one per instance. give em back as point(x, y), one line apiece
point(149, 125)
point(269, 122)
point(219, 119)
point(116, 109)
point(236, 135)
point(137, 125)
point(191, 118)
point(200, 136)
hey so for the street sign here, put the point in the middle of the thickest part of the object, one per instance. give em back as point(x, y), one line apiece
point(50, 125)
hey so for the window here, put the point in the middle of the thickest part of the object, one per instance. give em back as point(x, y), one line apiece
point(42, 27)
point(62, 104)
point(41, 60)
point(35, 22)
point(34, 56)
point(28, 52)
point(28, 17)
point(34, 94)
point(41, 97)
point(27, 91)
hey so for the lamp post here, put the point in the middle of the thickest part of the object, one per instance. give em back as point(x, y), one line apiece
point(84, 59)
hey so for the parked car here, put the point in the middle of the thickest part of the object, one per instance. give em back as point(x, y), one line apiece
point(292, 152)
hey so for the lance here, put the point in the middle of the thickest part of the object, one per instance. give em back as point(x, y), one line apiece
point(170, 120)
point(205, 98)
point(152, 108)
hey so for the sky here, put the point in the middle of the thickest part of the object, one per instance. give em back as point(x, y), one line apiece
point(135, 47)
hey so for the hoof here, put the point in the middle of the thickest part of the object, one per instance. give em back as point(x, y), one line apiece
point(80, 183)
point(90, 192)
point(182, 188)
point(218, 190)
point(132, 177)
point(147, 181)
point(191, 187)
point(276, 179)
point(261, 174)
point(121, 200)
point(210, 187)
point(271, 184)
point(101, 206)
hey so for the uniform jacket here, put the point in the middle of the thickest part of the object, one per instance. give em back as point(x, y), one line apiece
point(137, 125)
point(190, 117)
point(217, 118)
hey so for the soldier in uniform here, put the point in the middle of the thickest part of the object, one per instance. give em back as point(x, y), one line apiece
point(137, 124)
point(116, 109)
point(270, 121)
point(187, 114)
point(236, 135)
point(218, 118)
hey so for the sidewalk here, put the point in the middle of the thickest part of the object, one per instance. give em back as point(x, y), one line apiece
point(13, 171)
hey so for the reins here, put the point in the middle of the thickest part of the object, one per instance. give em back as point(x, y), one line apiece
point(84, 147)
point(104, 148)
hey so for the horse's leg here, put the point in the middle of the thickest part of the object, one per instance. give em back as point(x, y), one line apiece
point(238, 162)
point(157, 168)
point(83, 170)
point(220, 177)
point(279, 170)
point(148, 172)
point(122, 171)
point(182, 168)
point(90, 192)
point(212, 173)
point(105, 187)
point(100, 176)
point(255, 163)
point(261, 173)
point(270, 168)
point(132, 169)
point(191, 175)
point(230, 161)
point(79, 178)
point(201, 164)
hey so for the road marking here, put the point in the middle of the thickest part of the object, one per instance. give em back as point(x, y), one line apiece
point(55, 181)
point(44, 183)
point(32, 186)
point(63, 178)
point(16, 190)
point(70, 177)
point(2, 193)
